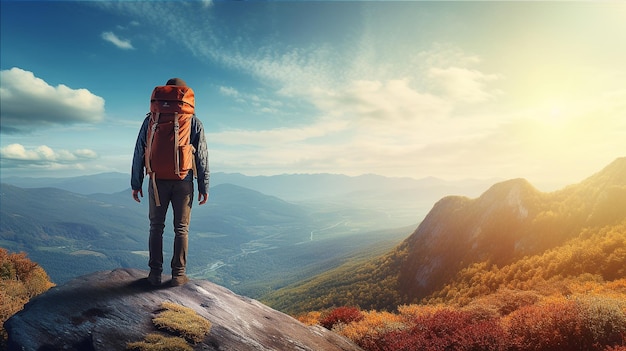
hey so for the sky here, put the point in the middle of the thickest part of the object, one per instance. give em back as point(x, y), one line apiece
point(452, 90)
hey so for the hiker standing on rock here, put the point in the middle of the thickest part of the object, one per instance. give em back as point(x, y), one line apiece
point(172, 149)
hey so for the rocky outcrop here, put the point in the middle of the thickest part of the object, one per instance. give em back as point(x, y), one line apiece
point(107, 310)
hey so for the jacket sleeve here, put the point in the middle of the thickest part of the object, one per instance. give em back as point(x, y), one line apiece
point(198, 141)
point(137, 169)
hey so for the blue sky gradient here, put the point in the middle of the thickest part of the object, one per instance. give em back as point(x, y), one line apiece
point(403, 89)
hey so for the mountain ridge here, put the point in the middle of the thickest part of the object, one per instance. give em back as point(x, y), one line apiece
point(500, 226)
point(505, 204)
point(509, 221)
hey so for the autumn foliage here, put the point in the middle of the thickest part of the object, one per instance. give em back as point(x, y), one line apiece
point(568, 294)
point(509, 320)
point(20, 280)
point(343, 315)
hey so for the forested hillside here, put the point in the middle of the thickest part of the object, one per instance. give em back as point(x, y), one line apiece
point(512, 236)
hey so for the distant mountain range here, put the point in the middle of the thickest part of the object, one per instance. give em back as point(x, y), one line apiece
point(511, 236)
point(290, 187)
point(404, 200)
point(102, 183)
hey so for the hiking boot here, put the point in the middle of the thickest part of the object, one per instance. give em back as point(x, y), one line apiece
point(154, 278)
point(179, 280)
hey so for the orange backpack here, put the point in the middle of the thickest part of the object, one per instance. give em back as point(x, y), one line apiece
point(169, 154)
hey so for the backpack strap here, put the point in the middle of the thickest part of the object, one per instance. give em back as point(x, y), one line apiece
point(193, 162)
point(149, 171)
point(151, 133)
point(157, 200)
point(176, 155)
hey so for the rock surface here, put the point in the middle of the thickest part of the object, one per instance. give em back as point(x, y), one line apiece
point(106, 310)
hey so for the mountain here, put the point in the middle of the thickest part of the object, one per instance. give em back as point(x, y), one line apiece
point(463, 243)
point(70, 234)
point(109, 310)
point(57, 217)
point(106, 183)
point(497, 227)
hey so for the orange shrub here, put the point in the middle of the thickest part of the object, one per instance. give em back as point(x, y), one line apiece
point(371, 327)
point(343, 315)
point(446, 329)
point(604, 319)
point(509, 320)
point(20, 280)
point(552, 327)
point(568, 324)
point(411, 312)
point(309, 318)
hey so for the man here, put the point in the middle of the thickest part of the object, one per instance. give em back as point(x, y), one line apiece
point(177, 192)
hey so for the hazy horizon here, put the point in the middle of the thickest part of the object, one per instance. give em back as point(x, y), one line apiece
point(542, 186)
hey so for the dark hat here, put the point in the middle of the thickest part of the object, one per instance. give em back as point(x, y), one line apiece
point(176, 81)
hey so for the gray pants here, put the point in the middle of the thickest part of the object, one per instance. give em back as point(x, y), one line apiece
point(180, 194)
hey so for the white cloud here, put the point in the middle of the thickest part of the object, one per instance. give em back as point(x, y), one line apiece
point(115, 40)
point(385, 114)
point(381, 102)
point(279, 136)
point(229, 91)
point(463, 84)
point(403, 90)
point(29, 102)
point(260, 104)
point(16, 155)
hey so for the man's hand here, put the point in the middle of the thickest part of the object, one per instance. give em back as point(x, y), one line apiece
point(202, 198)
point(136, 194)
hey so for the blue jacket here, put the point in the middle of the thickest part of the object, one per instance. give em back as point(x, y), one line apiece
point(198, 141)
